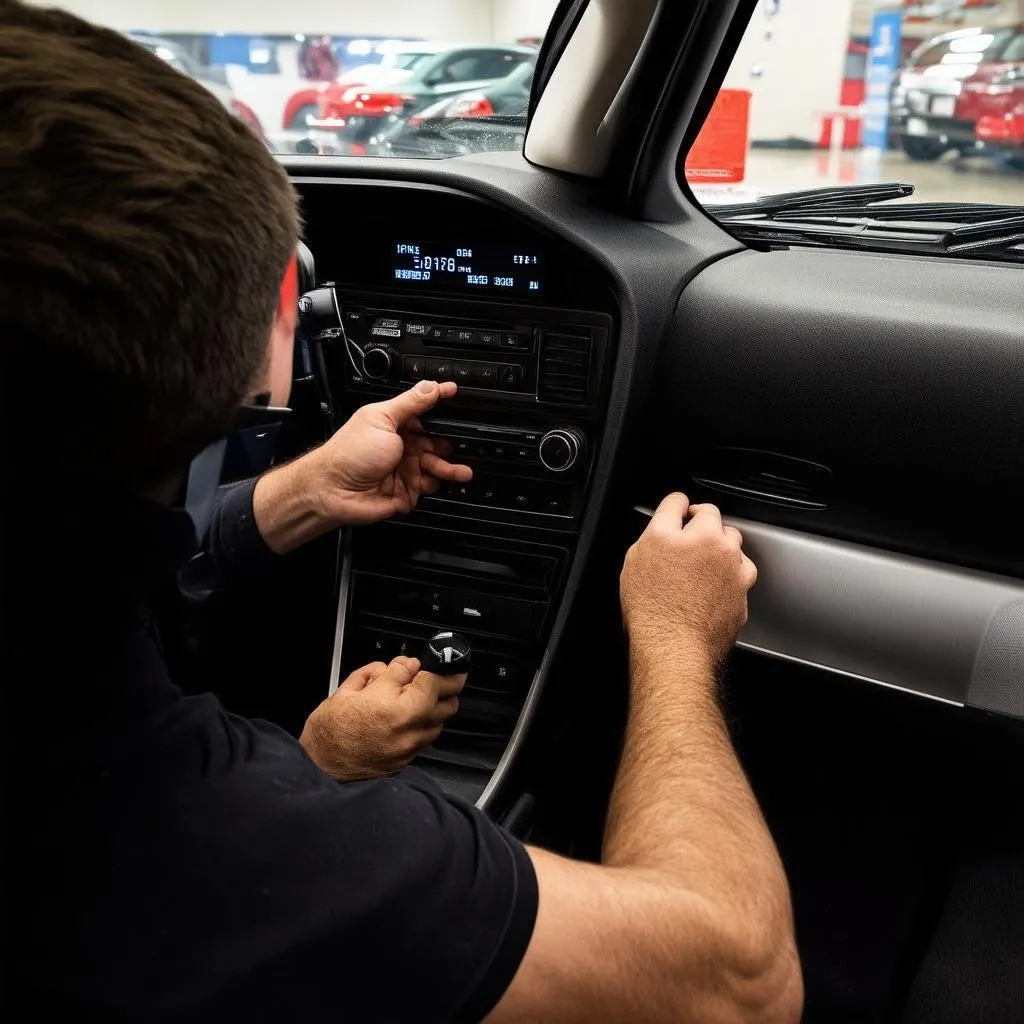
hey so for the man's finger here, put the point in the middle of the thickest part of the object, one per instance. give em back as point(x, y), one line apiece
point(398, 674)
point(432, 688)
point(749, 570)
point(704, 519)
point(444, 710)
point(734, 535)
point(444, 470)
point(413, 403)
point(361, 676)
point(672, 511)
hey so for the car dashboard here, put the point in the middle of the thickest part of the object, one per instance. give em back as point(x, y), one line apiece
point(457, 289)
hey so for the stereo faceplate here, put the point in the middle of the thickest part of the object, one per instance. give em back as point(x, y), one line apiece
point(507, 353)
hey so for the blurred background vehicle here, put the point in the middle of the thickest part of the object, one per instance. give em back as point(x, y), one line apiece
point(367, 102)
point(213, 78)
point(490, 118)
point(951, 83)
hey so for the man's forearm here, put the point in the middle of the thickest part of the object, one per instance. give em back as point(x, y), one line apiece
point(287, 507)
point(682, 810)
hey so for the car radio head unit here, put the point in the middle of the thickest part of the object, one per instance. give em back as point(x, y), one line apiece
point(467, 267)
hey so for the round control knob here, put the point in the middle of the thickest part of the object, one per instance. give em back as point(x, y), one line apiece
point(446, 654)
point(560, 449)
point(377, 362)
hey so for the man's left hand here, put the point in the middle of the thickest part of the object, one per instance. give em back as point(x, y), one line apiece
point(378, 464)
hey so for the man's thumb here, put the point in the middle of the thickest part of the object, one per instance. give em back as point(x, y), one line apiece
point(413, 402)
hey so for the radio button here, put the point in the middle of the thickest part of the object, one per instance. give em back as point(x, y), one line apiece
point(463, 372)
point(386, 329)
point(523, 498)
point(457, 492)
point(489, 494)
point(510, 377)
point(557, 502)
point(417, 329)
point(439, 369)
point(516, 343)
point(414, 367)
point(485, 375)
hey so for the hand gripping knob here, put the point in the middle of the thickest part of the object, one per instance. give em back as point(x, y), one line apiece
point(446, 654)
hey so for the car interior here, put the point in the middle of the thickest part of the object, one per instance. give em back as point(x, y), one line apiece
point(850, 394)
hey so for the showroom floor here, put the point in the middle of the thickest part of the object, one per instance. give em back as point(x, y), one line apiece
point(970, 179)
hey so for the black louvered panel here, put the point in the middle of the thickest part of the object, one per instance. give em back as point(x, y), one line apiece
point(565, 367)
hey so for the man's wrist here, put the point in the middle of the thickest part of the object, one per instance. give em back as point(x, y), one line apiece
point(287, 505)
point(689, 661)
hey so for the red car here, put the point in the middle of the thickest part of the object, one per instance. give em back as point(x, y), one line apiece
point(959, 90)
point(994, 98)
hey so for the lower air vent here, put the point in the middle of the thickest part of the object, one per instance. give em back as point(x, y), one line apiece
point(766, 476)
point(565, 368)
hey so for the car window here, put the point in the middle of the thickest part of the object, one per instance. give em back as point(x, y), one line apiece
point(478, 66)
point(962, 47)
point(1014, 49)
point(823, 94)
point(406, 61)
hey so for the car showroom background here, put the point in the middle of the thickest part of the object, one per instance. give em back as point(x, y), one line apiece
point(820, 90)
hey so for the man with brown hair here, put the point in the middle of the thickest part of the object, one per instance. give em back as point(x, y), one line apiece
point(166, 860)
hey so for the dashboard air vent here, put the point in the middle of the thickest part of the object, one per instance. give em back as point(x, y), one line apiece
point(565, 368)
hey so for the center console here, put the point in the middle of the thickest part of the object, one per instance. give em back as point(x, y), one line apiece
point(503, 318)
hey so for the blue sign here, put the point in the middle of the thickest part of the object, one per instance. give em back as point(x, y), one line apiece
point(883, 60)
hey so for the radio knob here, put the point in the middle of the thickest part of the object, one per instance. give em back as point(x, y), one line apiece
point(562, 448)
point(378, 361)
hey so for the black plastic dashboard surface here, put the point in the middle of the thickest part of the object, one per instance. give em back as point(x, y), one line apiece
point(898, 380)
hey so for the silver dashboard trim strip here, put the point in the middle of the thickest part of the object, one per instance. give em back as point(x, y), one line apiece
point(345, 549)
point(849, 675)
point(516, 739)
point(899, 621)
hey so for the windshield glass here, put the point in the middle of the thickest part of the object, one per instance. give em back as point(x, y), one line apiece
point(853, 92)
point(356, 78)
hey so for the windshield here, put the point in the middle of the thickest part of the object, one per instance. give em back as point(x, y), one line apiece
point(350, 79)
point(828, 94)
point(819, 92)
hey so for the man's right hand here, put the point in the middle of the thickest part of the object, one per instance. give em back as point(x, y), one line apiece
point(379, 719)
point(684, 585)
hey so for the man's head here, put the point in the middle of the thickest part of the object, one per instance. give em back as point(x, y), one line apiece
point(144, 237)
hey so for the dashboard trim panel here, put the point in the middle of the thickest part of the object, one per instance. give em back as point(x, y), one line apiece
point(897, 621)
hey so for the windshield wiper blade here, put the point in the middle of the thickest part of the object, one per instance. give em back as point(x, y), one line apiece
point(999, 234)
point(950, 213)
point(811, 200)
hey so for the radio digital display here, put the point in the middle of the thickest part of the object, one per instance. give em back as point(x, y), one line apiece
point(467, 268)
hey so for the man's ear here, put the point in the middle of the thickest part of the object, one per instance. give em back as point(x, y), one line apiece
point(282, 339)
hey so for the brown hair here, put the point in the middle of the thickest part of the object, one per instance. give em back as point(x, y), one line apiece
point(144, 234)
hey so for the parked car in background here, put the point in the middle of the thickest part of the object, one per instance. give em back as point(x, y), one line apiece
point(951, 83)
point(496, 116)
point(994, 97)
point(212, 79)
point(414, 77)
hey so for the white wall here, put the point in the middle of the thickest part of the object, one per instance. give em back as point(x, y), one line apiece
point(520, 19)
point(454, 20)
point(793, 65)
